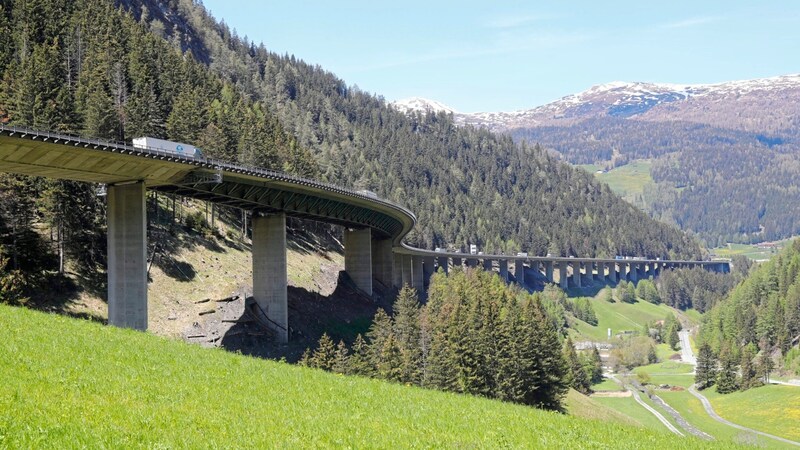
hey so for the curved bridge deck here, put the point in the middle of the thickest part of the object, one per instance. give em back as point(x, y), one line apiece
point(373, 237)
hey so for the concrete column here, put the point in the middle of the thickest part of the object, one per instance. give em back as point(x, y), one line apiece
point(383, 261)
point(633, 272)
point(457, 262)
point(397, 271)
point(487, 265)
point(519, 272)
point(612, 273)
point(417, 274)
point(427, 269)
point(269, 271)
point(563, 278)
point(358, 258)
point(127, 256)
point(548, 271)
point(576, 273)
point(472, 262)
point(442, 263)
point(503, 266)
point(601, 272)
point(407, 270)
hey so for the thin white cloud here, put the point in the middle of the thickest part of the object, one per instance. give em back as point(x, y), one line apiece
point(504, 45)
point(516, 21)
point(690, 22)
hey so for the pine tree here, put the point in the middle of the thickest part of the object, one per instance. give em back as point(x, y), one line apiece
point(706, 370)
point(324, 357)
point(378, 333)
point(360, 362)
point(576, 375)
point(390, 361)
point(726, 378)
point(544, 366)
point(341, 361)
point(764, 366)
point(595, 364)
point(406, 329)
point(747, 369)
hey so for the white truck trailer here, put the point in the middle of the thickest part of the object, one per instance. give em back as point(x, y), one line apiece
point(167, 146)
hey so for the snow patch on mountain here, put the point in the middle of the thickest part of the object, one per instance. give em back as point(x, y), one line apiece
point(419, 104)
point(629, 99)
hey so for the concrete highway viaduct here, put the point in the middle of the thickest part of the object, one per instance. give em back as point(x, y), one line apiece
point(373, 228)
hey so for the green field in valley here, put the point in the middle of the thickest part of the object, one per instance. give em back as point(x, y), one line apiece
point(772, 409)
point(72, 383)
point(751, 251)
point(619, 317)
point(629, 179)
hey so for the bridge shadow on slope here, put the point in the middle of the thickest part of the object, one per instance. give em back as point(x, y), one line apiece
point(343, 315)
point(62, 294)
point(308, 237)
point(535, 281)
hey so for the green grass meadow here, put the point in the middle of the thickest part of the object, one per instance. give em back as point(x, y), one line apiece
point(619, 317)
point(67, 383)
point(773, 409)
point(629, 179)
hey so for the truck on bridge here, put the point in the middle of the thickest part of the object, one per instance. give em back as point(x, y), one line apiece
point(151, 143)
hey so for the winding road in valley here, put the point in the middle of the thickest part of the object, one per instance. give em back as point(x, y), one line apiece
point(639, 400)
point(688, 356)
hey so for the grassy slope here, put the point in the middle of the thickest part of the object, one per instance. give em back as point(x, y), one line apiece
point(773, 409)
point(619, 317)
point(625, 180)
point(751, 251)
point(626, 406)
point(677, 374)
point(65, 382)
point(585, 407)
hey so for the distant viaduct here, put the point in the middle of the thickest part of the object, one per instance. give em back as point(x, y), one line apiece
point(374, 228)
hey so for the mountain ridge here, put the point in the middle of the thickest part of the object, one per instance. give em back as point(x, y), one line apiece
point(626, 99)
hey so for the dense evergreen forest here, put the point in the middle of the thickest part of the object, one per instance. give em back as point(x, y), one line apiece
point(466, 185)
point(757, 327)
point(724, 185)
point(94, 68)
point(475, 335)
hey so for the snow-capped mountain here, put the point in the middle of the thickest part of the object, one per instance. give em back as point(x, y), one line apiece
point(420, 104)
point(750, 105)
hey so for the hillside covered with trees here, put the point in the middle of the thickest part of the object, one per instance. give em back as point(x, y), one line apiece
point(94, 68)
point(724, 184)
point(466, 185)
point(757, 327)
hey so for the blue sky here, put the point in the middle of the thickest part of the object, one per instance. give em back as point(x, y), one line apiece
point(502, 56)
